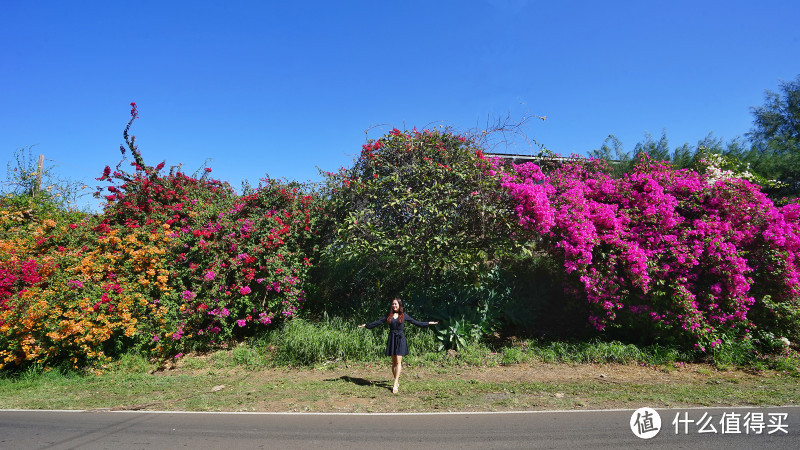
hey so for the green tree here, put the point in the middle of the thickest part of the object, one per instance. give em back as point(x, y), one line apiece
point(614, 152)
point(682, 156)
point(657, 150)
point(776, 138)
point(622, 161)
point(417, 210)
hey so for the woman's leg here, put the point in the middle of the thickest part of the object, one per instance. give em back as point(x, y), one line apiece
point(397, 367)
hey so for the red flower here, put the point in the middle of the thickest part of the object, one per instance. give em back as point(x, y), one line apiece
point(106, 173)
point(208, 169)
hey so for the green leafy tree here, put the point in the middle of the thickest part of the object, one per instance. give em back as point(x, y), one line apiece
point(776, 138)
point(656, 150)
point(614, 152)
point(417, 210)
point(682, 156)
point(622, 161)
point(776, 124)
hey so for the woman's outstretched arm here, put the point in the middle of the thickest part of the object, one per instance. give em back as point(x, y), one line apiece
point(417, 322)
point(372, 325)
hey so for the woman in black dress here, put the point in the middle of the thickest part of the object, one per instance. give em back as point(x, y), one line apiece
point(396, 345)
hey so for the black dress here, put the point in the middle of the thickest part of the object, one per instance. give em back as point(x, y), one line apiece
point(396, 344)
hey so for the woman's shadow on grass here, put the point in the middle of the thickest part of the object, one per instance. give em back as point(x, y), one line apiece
point(363, 381)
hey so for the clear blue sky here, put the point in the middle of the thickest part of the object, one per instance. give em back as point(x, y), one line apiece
point(284, 88)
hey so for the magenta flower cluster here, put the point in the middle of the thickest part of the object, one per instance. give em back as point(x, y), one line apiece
point(16, 277)
point(689, 258)
point(242, 268)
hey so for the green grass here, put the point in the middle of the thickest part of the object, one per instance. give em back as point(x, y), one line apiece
point(133, 385)
point(301, 343)
point(591, 352)
point(334, 366)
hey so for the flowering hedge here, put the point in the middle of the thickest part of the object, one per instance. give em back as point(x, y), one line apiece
point(145, 196)
point(671, 255)
point(178, 262)
point(175, 262)
point(242, 270)
point(85, 294)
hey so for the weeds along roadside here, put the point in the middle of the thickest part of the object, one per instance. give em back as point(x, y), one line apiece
point(303, 343)
point(334, 342)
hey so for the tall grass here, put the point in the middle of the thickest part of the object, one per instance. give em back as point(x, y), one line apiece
point(303, 343)
point(595, 351)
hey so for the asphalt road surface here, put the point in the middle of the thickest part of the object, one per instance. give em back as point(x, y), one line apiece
point(779, 429)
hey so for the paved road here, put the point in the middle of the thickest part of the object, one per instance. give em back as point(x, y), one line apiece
point(570, 429)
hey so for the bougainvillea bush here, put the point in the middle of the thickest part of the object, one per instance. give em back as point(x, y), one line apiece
point(242, 271)
point(175, 262)
point(667, 255)
point(85, 294)
point(237, 263)
point(145, 195)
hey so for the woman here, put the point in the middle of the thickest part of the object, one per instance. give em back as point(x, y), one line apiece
point(396, 345)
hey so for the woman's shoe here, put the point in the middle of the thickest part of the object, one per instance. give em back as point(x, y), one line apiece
point(395, 388)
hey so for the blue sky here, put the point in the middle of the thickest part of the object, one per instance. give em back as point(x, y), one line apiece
point(285, 88)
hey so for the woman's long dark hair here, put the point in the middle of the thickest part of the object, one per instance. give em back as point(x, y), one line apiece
point(400, 311)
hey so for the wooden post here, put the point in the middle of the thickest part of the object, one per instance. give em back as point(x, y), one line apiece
point(39, 171)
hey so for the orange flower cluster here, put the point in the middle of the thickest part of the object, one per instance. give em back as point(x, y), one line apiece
point(93, 291)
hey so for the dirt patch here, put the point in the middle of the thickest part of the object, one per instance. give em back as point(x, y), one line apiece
point(527, 386)
point(377, 373)
point(600, 372)
point(519, 373)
